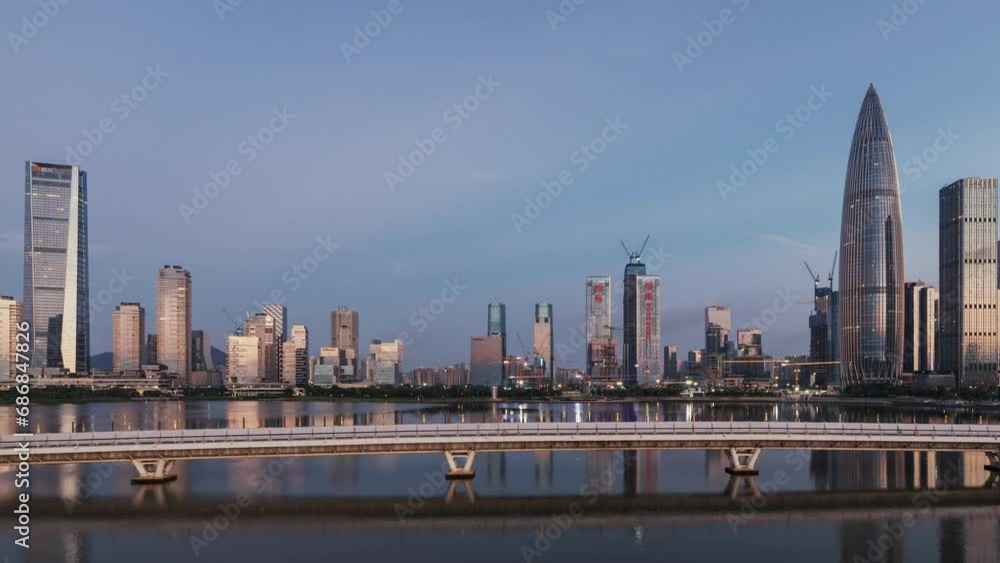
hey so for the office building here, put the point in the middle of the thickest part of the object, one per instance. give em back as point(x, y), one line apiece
point(967, 267)
point(280, 315)
point(245, 363)
point(920, 323)
point(295, 358)
point(128, 338)
point(385, 362)
point(344, 334)
point(821, 335)
point(649, 362)
point(173, 320)
point(264, 327)
point(11, 315)
point(749, 342)
point(670, 372)
point(151, 350)
point(486, 360)
point(544, 334)
point(496, 323)
point(201, 351)
point(602, 349)
point(718, 323)
point(56, 266)
point(630, 320)
point(871, 255)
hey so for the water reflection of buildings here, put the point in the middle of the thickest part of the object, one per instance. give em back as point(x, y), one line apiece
point(962, 540)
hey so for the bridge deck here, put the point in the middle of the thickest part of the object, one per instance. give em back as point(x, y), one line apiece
point(438, 438)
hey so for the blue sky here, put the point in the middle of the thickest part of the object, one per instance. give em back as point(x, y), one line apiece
point(323, 174)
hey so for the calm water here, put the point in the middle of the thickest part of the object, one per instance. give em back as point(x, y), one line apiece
point(548, 506)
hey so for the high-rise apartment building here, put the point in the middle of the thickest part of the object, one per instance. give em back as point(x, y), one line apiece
point(245, 362)
point(496, 323)
point(871, 255)
point(544, 341)
point(602, 350)
point(128, 338)
point(486, 360)
point(649, 362)
point(173, 320)
point(263, 326)
point(295, 358)
point(967, 266)
point(56, 266)
point(11, 315)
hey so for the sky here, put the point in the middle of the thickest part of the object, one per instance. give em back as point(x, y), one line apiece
point(312, 107)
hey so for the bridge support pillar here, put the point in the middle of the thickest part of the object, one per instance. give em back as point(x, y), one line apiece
point(153, 471)
point(743, 461)
point(463, 472)
point(994, 464)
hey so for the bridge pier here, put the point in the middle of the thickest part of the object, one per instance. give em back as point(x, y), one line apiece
point(153, 471)
point(743, 461)
point(465, 471)
point(994, 464)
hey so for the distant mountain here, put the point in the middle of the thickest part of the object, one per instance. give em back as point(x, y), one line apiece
point(103, 361)
point(218, 357)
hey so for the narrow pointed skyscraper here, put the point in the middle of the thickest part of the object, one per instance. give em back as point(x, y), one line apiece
point(871, 255)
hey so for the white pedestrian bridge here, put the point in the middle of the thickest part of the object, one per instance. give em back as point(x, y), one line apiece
point(153, 453)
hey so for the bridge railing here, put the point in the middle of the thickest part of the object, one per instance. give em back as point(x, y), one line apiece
point(508, 430)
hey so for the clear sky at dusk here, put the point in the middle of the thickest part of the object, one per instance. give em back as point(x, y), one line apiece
point(544, 92)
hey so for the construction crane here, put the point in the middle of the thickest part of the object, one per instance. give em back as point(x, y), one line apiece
point(815, 278)
point(829, 276)
point(633, 256)
point(237, 327)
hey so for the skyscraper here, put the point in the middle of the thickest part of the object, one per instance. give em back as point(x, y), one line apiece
point(173, 320)
point(602, 351)
point(486, 360)
point(496, 324)
point(263, 326)
point(245, 360)
point(967, 264)
point(280, 315)
point(871, 255)
point(718, 323)
point(344, 334)
point(820, 332)
point(295, 358)
point(630, 320)
point(649, 366)
point(749, 342)
point(151, 350)
point(920, 322)
point(56, 266)
point(201, 351)
point(11, 315)
point(670, 362)
point(128, 337)
point(543, 340)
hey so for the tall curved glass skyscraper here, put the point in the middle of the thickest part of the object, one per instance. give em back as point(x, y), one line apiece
point(871, 255)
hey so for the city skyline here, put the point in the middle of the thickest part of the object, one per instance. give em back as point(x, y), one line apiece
point(407, 278)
